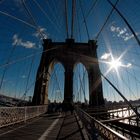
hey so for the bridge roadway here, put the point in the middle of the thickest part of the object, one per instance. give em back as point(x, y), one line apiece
point(46, 127)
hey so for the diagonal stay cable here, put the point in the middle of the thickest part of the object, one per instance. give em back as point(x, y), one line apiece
point(31, 16)
point(54, 85)
point(107, 19)
point(25, 57)
point(129, 104)
point(91, 8)
point(5, 69)
point(29, 87)
point(125, 20)
point(32, 84)
point(89, 11)
point(28, 77)
point(7, 62)
point(81, 84)
point(53, 13)
point(46, 15)
point(18, 19)
point(83, 15)
point(58, 83)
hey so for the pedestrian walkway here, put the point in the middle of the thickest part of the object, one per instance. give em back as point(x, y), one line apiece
point(70, 129)
point(46, 127)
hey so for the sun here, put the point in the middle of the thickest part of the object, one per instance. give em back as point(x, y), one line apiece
point(115, 64)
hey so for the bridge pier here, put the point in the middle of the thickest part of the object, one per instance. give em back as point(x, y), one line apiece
point(94, 76)
point(68, 87)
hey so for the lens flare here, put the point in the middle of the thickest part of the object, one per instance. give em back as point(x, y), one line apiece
point(115, 64)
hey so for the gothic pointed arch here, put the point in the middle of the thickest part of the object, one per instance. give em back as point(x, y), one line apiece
point(69, 53)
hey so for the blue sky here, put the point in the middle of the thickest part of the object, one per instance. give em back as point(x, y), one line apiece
point(21, 44)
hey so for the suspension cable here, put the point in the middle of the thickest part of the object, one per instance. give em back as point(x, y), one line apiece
point(28, 77)
point(18, 19)
point(91, 8)
point(53, 88)
point(24, 58)
point(53, 12)
point(81, 84)
point(29, 87)
point(129, 104)
point(66, 18)
point(5, 69)
point(39, 6)
point(84, 19)
point(58, 82)
point(73, 17)
point(78, 25)
point(30, 14)
point(107, 19)
point(125, 20)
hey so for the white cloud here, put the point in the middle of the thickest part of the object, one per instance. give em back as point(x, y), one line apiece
point(128, 37)
point(28, 44)
point(121, 32)
point(19, 42)
point(105, 56)
point(112, 28)
point(41, 31)
point(128, 65)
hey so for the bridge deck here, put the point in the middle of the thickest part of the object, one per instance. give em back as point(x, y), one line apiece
point(45, 127)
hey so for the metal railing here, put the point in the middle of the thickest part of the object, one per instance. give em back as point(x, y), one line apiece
point(12, 115)
point(96, 129)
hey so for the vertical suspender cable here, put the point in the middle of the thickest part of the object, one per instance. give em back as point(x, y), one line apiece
point(66, 18)
point(46, 15)
point(5, 69)
point(73, 16)
point(84, 19)
point(28, 77)
point(30, 14)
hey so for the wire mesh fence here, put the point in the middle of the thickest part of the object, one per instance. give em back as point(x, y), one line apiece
point(12, 115)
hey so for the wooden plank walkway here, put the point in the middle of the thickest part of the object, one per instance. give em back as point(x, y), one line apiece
point(70, 129)
point(45, 127)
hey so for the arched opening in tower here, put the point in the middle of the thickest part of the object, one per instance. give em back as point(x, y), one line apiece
point(80, 84)
point(56, 84)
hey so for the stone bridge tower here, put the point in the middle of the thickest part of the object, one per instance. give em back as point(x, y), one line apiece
point(68, 53)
